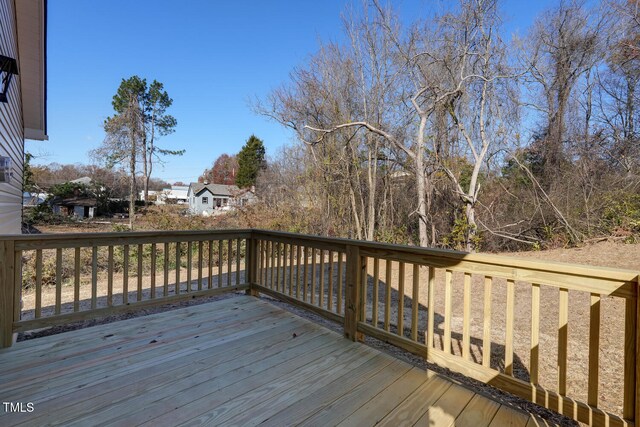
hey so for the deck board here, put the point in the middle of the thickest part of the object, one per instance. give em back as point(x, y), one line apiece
point(238, 361)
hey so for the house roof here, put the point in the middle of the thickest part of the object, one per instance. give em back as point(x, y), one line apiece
point(175, 192)
point(215, 189)
point(31, 23)
point(75, 201)
point(83, 180)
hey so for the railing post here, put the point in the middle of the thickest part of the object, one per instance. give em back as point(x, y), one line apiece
point(636, 418)
point(353, 293)
point(7, 291)
point(251, 265)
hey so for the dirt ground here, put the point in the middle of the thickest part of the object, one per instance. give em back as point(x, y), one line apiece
point(605, 253)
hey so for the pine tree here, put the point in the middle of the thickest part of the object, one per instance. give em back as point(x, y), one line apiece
point(250, 161)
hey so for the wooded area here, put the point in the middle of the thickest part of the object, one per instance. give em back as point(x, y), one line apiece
point(451, 132)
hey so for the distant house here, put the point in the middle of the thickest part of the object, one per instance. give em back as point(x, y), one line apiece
point(78, 207)
point(85, 180)
point(176, 195)
point(153, 195)
point(205, 198)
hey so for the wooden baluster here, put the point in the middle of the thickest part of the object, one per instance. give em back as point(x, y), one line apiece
point(594, 350)
point(284, 268)
point(447, 311)
point(178, 268)
point(251, 265)
point(58, 280)
point(313, 275)
point(563, 318)
point(189, 264)
point(10, 290)
point(110, 276)
point(200, 259)
point(76, 281)
point(330, 296)
point(271, 260)
point(210, 263)
point(125, 275)
point(508, 341)
point(94, 277)
point(220, 258)
point(415, 303)
point(630, 406)
point(364, 277)
point(278, 256)
point(297, 271)
point(431, 327)
point(166, 270)
point(321, 291)
point(17, 287)
point(304, 278)
point(534, 355)
point(374, 302)
point(153, 267)
point(466, 317)
point(259, 263)
point(265, 262)
point(264, 275)
point(229, 262)
point(340, 283)
point(401, 299)
point(140, 272)
point(38, 313)
point(238, 244)
point(291, 258)
point(387, 298)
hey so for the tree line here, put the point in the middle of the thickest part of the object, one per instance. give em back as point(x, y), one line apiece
point(239, 169)
point(449, 132)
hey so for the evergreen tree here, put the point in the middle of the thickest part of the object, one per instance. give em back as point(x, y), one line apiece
point(250, 161)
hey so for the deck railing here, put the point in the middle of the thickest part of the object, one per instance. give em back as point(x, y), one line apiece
point(562, 336)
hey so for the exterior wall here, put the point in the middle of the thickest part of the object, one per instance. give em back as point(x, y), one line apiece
point(78, 211)
point(11, 128)
point(197, 207)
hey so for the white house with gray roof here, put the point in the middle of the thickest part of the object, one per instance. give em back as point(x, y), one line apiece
point(205, 198)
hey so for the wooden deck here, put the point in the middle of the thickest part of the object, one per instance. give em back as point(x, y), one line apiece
point(238, 361)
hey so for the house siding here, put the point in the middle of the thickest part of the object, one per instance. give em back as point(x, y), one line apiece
point(11, 128)
point(197, 207)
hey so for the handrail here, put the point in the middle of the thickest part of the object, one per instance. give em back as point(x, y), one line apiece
point(403, 295)
point(371, 308)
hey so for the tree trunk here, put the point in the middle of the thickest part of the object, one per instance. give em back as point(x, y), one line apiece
point(372, 180)
point(149, 152)
point(421, 185)
point(133, 123)
point(145, 174)
point(132, 181)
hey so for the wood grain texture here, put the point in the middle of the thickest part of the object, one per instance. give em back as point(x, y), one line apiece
point(7, 292)
point(509, 324)
point(534, 354)
point(486, 322)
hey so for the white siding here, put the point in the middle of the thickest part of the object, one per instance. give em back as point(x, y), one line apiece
point(11, 128)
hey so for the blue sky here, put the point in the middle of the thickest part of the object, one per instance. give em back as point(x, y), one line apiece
point(212, 56)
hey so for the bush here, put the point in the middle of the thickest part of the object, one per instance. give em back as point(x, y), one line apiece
point(621, 214)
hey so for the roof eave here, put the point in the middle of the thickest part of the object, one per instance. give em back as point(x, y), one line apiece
point(31, 22)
